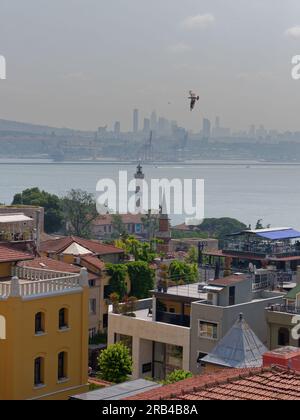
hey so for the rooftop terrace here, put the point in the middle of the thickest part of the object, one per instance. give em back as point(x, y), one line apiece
point(30, 283)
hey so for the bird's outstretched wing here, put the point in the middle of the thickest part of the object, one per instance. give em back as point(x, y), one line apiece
point(194, 98)
point(193, 102)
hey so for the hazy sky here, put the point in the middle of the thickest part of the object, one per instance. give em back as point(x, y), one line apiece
point(85, 63)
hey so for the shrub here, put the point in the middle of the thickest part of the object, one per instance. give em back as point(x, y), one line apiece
point(115, 363)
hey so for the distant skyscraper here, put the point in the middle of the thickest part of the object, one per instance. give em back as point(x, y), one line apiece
point(252, 131)
point(146, 125)
point(153, 121)
point(117, 128)
point(164, 127)
point(135, 120)
point(206, 129)
point(217, 123)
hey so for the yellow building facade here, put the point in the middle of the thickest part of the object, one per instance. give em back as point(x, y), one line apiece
point(43, 335)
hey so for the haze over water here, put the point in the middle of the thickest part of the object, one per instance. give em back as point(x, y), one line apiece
point(248, 193)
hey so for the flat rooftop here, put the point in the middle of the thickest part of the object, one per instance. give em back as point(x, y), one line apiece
point(187, 290)
point(14, 218)
point(118, 392)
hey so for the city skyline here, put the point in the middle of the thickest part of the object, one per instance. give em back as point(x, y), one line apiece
point(83, 79)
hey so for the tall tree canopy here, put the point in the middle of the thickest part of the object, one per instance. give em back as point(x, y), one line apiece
point(52, 204)
point(79, 211)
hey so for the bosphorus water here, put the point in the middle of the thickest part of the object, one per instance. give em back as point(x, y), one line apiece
point(247, 192)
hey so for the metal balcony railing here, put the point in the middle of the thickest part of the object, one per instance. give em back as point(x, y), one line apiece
point(288, 309)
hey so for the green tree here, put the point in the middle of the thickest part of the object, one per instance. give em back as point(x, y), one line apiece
point(177, 376)
point(117, 281)
point(80, 211)
point(220, 228)
point(141, 278)
point(192, 256)
point(259, 225)
point(129, 305)
point(115, 363)
point(141, 251)
point(52, 205)
point(182, 272)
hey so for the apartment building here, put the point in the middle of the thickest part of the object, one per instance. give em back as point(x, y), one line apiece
point(182, 324)
point(283, 318)
point(134, 224)
point(43, 335)
point(97, 281)
point(274, 249)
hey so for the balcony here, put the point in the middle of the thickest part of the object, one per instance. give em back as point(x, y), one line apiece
point(173, 319)
point(16, 237)
point(30, 283)
point(287, 309)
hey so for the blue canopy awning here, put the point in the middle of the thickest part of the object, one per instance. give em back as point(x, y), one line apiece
point(280, 234)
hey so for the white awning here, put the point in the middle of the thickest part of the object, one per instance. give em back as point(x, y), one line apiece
point(213, 288)
point(14, 218)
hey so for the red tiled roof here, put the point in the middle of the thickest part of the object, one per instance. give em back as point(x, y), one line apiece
point(126, 218)
point(8, 253)
point(233, 384)
point(184, 227)
point(59, 245)
point(44, 263)
point(228, 281)
point(93, 261)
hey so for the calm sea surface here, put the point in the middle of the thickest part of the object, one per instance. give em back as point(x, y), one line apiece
point(246, 192)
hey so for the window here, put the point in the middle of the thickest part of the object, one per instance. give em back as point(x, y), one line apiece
point(62, 366)
point(107, 291)
point(39, 323)
point(283, 337)
point(63, 319)
point(39, 371)
point(92, 306)
point(232, 296)
point(92, 283)
point(92, 333)
point(105, 320)
point(208, 330)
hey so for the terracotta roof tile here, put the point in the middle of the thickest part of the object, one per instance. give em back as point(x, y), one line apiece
point(126, 218)
point(93, 261)
point(241, 384)
point(61, 244)
point(9, 253)
point(44, 263)
point(228, 281)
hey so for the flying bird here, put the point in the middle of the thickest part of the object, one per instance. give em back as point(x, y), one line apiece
point(193, 98)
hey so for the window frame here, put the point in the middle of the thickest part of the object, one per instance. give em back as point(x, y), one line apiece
point(213, 337)
point(65, 325)
point(39, 376)
point(62, 366)
point(42, 330)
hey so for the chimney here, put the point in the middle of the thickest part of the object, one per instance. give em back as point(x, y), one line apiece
point(286, 357)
